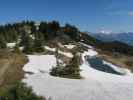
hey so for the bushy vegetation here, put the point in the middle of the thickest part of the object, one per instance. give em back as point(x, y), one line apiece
point(16, 49)
point(2, 43)
point(38, 43)
point(129, 63)
point(20, 91)
point(28, 45)
point(116, 47)
point(32, 36)
point(71, 70)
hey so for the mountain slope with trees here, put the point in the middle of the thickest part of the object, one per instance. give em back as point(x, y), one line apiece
point(32, 38)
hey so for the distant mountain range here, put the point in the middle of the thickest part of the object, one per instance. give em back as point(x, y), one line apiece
point(108, 37)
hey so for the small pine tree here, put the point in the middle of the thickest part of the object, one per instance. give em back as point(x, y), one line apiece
point(28, 45)
point(69, 71)
point(73, 69)
point(38, 42)
point(38, 47)
point(57, 57)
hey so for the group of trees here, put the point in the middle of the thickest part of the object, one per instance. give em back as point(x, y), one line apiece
point(72, 70)
point(32, 36)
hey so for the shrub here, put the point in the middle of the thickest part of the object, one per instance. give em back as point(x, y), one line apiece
point(73, 70)
point(2, 43)
point(17, 50)
point(69, 71)
point(20, 92)
point(57, 71)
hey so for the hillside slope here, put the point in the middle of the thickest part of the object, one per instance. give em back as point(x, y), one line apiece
point(49, 43)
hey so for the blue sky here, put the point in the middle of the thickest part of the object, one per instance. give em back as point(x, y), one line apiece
point(88, 15)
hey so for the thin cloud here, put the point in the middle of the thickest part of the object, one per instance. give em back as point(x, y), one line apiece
point(130, 13)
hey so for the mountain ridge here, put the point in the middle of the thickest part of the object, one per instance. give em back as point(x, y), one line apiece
point(125, 37)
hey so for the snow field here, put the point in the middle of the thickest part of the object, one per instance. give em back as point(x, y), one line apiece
point(95, 85)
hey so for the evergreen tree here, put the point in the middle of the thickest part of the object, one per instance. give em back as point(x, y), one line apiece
point(23, 38)
point(57, 57)
point(38, 47)
point(72, 32)
point(43, 28)
point(28, 45)
point(73, 68)
point(54, 26)
point(38, 42)
point(2, 42)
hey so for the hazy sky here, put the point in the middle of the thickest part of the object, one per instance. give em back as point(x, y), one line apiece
point(88, 15)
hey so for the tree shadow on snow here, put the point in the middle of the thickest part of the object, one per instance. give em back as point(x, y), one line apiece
point(97, 63)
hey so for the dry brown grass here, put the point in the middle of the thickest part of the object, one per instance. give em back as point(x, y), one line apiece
point(121, 60)
point(14, 63)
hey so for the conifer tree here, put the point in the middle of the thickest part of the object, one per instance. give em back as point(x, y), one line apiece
point(2, 42)
point(28, 45)
point(73, 68)
point(38, 42)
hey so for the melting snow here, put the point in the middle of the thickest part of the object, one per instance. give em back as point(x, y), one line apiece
point(67, 54)
point(96, 85)
point(90, 53)
point(40, 63)
point(21, 48)
point(88, 46)
point(70, 46)
point(50, 49)
point(11, 45)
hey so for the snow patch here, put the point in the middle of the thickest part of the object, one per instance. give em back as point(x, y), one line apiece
point(86, 45)
point(50, 49)
point(11, 45)
point(33, 37)
point(70, 46)
point(40, 63)
point(118, 69)
point(67, 54)
point(90, 53)
point(21, 48)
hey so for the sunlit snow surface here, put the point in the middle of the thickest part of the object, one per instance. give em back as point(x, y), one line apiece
point(70, 46)
point(42, 63)
point(95, 85)
point(67, 54)
point(10, 45)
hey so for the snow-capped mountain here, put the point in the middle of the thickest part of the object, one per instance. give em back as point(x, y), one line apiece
point(122, 37)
